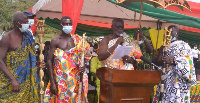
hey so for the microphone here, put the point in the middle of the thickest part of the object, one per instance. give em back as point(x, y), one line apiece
point(121, 35)
point(140, 56)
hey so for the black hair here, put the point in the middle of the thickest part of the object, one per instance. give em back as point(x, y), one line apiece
point(117, 20)
point(173, 26)
point(63, 18)
point(47, 43)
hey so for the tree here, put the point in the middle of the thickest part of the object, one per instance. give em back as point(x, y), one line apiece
point(8, 7)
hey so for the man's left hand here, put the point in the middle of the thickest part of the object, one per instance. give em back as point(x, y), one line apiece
point(168, 60)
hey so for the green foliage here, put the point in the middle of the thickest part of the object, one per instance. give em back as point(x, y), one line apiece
point(8, 7)
point(50, 32)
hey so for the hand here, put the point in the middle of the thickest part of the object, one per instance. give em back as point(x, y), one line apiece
point(15, 85)
point(168, 60)
point(82, 68)
point(141, 36)
point(120, 40)
point(127, 59)
point(53, 88)
point(41, 64)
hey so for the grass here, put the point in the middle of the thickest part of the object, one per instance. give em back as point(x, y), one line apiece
point(47, 37)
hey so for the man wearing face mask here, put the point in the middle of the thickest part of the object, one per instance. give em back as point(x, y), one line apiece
point(30, 17)
point(31, 20)
point(180, 73)
point(110, 43)
point(63, 63)
point(18, 72)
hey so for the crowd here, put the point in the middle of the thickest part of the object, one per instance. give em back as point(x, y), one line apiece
point(63, 59)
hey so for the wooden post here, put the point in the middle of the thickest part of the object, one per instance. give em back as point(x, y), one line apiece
point(40, 32)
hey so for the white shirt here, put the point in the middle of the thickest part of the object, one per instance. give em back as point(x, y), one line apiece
point(195, 53)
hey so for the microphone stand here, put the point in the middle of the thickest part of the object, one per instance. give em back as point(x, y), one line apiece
point(154, 65)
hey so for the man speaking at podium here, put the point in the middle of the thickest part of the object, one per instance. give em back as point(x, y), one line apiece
point(111, 42)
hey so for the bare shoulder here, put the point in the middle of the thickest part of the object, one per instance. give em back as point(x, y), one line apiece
point(55, 39)
point(105, 39)
point(6, 38)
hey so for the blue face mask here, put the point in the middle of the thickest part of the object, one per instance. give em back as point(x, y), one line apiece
point(36, 47)
point(24, 28)
point(173, 39)
point(67, 29)
point(31, 22)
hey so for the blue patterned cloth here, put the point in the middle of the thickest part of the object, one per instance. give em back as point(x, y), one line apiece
point(22, 64)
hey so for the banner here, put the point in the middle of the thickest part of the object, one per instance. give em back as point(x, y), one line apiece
point(72, 8)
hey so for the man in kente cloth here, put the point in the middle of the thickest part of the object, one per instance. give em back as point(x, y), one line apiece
point(64, 66)
point(180, 75)
point(18, 71)
point(110, 43)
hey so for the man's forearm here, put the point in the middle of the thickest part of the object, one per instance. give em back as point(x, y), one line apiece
point(5, 70)
point(50, 69)
point(149, 48)
point(107, 53)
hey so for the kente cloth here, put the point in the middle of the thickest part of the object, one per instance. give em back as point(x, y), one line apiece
point(22, 65)
point(117, 63)
point(194, 94)
point(180, 77)
point(67, 74)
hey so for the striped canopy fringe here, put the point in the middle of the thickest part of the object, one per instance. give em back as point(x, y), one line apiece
point(39, 5)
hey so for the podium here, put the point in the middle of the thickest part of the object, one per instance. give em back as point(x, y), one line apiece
point(127, 86)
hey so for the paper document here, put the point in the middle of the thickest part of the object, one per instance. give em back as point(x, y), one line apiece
point(120, 51)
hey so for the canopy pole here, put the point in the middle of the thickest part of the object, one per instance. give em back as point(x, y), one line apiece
point(141, 9)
